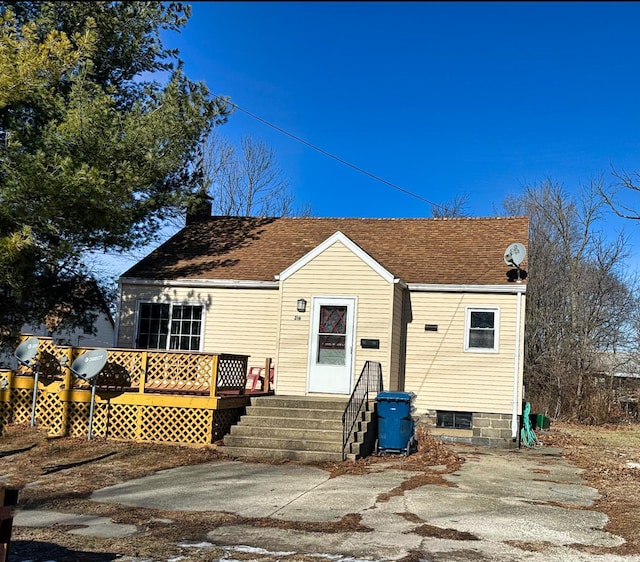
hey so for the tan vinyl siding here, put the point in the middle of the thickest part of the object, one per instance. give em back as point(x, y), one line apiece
point(242, 321)
point(396, 369)
point(441, 373)
point(336, 272)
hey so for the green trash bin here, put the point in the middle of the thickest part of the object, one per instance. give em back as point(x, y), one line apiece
point(542, 421)
point(539, 421)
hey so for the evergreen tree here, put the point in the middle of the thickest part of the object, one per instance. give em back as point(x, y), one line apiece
point(95, 151)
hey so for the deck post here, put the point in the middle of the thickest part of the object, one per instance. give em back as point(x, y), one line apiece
point(144, 363)
point(214, 376)
point(144, 356)
point(267, 375)
point(9, 387)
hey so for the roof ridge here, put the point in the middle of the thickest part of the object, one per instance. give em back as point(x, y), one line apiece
point(492, 218)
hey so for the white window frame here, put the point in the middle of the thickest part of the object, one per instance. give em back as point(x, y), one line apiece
point(171, 305)
point(496, 329)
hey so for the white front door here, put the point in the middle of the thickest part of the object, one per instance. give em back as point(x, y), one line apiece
point(331, 345)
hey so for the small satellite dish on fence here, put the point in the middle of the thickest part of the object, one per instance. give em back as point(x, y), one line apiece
point(514, 255)
point(90, 364)
point(26, 352)
point(87, 367)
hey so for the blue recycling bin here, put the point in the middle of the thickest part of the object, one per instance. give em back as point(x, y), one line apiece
point(395, 426)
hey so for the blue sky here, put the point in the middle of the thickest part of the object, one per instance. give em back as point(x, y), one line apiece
point(441, 99)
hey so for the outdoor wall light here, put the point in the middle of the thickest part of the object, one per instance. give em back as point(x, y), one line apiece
point(301, 305)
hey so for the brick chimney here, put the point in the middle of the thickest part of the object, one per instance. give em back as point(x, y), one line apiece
point(200, 209)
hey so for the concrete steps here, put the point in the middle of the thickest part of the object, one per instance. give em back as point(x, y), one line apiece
point(305, 429)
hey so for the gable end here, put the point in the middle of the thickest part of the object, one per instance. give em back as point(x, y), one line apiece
point(351, 246)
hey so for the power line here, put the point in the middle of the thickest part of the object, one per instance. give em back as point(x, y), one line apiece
point(330, 155)
point(337, 158)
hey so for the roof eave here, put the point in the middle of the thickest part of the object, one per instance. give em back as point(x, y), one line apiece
point(201, 283)
point(453, 288)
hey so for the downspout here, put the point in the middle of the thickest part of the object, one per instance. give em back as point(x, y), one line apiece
point(516, 369)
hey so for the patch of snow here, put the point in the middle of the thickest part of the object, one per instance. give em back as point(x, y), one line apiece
point(161, 520)
point(254, 550)
point(202, 544)
point(345, 558)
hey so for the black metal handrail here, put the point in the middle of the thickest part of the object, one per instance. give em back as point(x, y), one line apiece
point(370, 380)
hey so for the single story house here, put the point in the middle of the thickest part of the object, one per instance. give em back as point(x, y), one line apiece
point(431, 300)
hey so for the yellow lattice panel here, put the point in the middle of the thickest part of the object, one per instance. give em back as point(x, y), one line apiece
point(78, 419)
point(5, 397)
point(125, 367)
point(179, 371)
point(101, 417)
point(122, 422)
point(6, 414)
point(51, 364)
point(46, 344)
point(174, 415)
point(177, 425)
point(49, 412)
point(21, 400)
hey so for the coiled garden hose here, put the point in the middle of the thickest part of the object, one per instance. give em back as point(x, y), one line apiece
point(527, 436)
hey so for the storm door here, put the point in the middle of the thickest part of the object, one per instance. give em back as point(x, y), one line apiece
point(331, 345)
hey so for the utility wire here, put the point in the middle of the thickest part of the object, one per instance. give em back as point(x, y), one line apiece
point(332, 156)
point(336, 158)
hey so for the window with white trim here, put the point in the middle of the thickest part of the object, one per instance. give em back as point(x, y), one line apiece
point(169, 326)
point(481, 332)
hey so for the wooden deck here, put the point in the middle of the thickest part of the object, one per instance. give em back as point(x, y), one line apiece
point(141, 395)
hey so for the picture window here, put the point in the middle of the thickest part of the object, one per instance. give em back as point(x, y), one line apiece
point(169, 326)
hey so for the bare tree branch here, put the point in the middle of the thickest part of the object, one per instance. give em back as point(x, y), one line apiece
point(246, 181)
point(455, 207)
point(581, 301)
point(626, 181)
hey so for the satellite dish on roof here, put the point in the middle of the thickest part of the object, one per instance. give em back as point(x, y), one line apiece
point(514, 255)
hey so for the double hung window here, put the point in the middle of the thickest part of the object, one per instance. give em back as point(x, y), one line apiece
point(169, 326)
point(482, 329)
